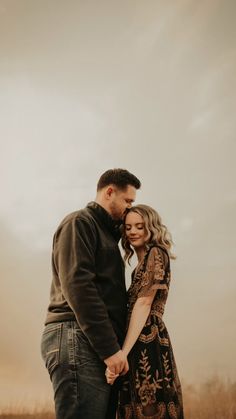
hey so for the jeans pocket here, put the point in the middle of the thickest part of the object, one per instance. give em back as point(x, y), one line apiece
point(51, 346)
point(86, 354)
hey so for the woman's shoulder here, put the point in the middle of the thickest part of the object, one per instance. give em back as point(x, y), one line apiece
point(159, 254)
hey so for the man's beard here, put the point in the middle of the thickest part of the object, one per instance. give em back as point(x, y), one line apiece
point(115, 213)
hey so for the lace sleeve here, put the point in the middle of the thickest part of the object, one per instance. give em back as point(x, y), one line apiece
point(153, 277)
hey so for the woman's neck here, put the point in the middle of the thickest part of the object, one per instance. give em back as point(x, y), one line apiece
point(140, 252)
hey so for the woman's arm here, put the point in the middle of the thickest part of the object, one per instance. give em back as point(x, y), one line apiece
point(139, 315)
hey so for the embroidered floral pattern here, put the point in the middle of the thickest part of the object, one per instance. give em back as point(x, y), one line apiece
point(146, 384)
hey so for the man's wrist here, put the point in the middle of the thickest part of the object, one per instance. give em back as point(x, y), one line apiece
point(108, 357)
point(115, 349)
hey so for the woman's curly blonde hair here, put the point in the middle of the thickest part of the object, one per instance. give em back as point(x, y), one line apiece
point(159, 233)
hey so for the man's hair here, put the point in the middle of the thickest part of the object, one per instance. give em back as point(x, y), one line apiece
point(118, 177)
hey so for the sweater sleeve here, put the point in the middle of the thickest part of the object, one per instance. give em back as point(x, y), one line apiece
point(74, 259)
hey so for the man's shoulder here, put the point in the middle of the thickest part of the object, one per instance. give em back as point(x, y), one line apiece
point(80, 215)
point(77, 222)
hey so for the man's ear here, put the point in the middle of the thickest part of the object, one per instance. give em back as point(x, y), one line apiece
point(109, 191)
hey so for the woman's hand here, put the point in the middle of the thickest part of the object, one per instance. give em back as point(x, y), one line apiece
point(110, 376)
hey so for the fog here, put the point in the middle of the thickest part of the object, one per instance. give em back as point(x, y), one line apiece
point(147, 86)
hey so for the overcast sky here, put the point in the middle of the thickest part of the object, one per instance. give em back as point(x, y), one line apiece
point(148, 86)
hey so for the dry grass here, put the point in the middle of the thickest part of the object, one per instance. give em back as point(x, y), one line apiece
point(27, 415)
point(214, 399)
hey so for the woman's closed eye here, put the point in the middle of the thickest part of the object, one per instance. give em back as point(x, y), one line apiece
point(138, 226)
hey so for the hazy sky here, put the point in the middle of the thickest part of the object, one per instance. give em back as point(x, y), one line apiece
point(145, 85)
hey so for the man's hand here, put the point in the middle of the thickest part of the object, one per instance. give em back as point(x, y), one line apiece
point(110, 376)
point(126, 368)
point(117, 363)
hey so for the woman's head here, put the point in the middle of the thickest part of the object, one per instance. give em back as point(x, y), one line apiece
point(143, 227)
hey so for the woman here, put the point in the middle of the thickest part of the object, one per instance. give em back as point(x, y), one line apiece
point(151, 389)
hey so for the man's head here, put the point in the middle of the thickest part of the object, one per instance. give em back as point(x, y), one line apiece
point(116, 191)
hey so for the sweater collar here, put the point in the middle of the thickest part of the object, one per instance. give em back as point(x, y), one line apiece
point(102, 215)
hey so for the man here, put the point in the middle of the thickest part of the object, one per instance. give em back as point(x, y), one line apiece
point(85, 323)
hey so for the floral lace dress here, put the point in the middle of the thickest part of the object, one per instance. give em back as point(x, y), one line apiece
point(151, 389)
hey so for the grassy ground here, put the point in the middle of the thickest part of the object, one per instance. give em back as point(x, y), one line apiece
point(212, 400)
point(29, 416)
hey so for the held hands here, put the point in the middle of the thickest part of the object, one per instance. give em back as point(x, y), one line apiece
point(117, 364)
point(110, 376)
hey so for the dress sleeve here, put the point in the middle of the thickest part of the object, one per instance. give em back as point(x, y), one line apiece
point(153, 276)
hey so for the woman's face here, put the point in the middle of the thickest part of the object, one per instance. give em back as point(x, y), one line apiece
point(135, 230)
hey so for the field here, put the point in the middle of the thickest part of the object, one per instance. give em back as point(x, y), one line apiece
point(214, 399)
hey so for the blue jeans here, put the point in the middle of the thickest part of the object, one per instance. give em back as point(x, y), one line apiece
point(77, 374)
